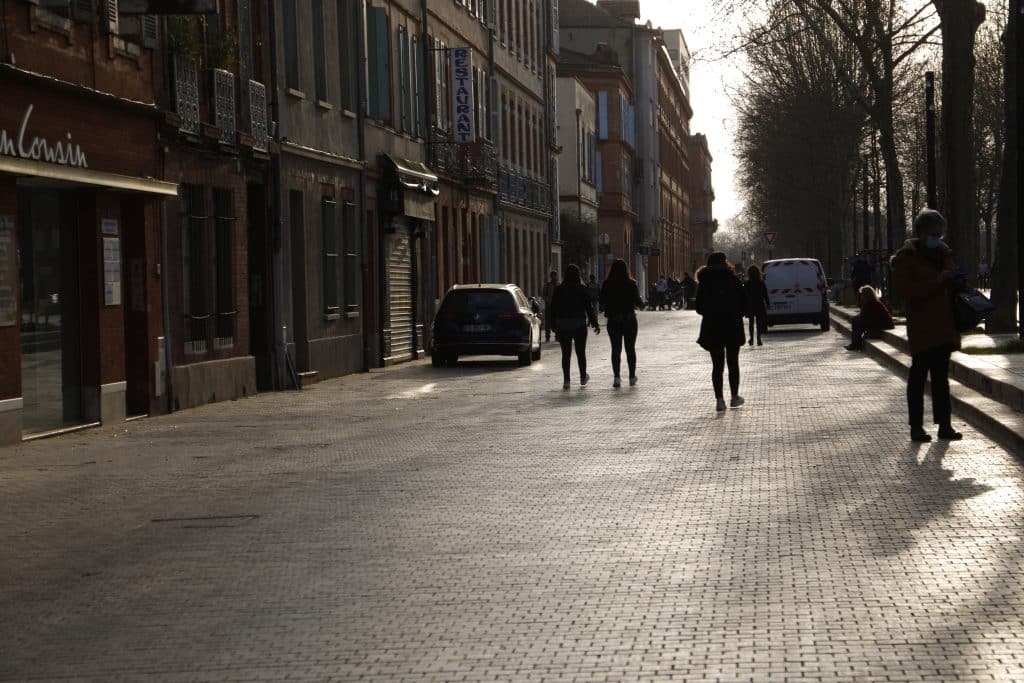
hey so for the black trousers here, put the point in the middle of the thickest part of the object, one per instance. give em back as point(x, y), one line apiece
point(566, 340)
point(618, 332)
point(934, 362)
point(757, 322)
point(720, 356)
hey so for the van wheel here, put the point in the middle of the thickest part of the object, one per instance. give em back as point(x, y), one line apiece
point(525, 358)
point(826, 324)
point(536, 354)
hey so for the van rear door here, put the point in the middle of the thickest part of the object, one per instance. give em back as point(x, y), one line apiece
point(795, 286)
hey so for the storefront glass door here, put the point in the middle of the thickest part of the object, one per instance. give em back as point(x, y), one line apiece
point(51, 365)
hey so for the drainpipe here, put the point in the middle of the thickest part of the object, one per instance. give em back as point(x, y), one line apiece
point(361, 107)
point(165, 289)
point(280, 331)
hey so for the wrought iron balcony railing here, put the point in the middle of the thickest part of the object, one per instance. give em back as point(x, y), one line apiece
point(471, 163)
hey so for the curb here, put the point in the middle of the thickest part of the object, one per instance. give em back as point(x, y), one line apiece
point(995, 419)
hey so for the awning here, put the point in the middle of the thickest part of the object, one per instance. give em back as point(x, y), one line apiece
point(85, 176)
point(414, 175)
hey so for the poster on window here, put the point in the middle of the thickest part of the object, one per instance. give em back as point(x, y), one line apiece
point(112, 271)
point(8, 273)
point(462, 95)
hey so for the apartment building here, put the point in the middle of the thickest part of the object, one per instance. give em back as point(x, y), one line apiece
point(703, 224)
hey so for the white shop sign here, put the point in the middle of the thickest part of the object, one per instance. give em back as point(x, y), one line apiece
point(21, 144)
point(462, 95)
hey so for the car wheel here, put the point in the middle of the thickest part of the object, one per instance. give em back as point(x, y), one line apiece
point(536, 354)
point(525, 358)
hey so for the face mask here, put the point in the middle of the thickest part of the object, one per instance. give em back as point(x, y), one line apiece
point(933, 242)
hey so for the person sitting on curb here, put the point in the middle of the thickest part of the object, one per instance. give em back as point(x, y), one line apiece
point(872, 319)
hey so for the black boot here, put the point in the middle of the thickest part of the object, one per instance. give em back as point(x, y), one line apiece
point(919, 435)
point(947, 433)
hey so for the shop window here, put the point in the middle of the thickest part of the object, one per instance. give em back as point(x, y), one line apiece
point(329, 227)
point(195, 304)
point(224, 267)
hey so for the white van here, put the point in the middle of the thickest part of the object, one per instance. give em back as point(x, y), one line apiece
point(797, 292)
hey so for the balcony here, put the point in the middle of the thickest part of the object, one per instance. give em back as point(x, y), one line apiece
point(224, 104)
point(475, 163)
point(186, 93)
point(522, 190)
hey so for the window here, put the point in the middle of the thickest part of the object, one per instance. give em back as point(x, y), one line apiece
point(378, 64)
point(291, 47)
point(404, 80)
point(194, 308)
point(346, 54)
point(351, 244)
point(329, 228)
point(319, 58)
point(224, 265)
point(602, 114)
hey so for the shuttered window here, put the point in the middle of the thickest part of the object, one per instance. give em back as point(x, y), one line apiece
point(351, 245)
point(404, 80)
point(379, 64)
point(224, 262)
point(346, 53)
point(329, 228)
point(319, 58)
point(291, 50)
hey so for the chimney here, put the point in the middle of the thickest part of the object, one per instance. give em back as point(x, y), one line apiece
point(627, 10)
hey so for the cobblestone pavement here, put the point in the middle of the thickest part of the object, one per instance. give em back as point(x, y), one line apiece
point(478, 523)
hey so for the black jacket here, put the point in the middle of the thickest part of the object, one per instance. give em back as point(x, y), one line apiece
point(619, 299)
point(757, 298)
point(720, 302)
point(571, 302)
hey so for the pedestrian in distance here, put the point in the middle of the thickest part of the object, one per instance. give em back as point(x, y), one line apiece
point(862, 270)
point(619, 299)
point(721, 302)
point(546, 293)
point(757, 303)
point(872, 319)
point(925, 275)
point(594, 291)
point(572, 313)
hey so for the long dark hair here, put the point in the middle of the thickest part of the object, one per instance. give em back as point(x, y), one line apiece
point(619, 272)
point(717, 258)
point(572, 275)
point(754, 274)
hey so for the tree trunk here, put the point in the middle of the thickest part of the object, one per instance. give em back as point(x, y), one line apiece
point(1004, 274)
point(960, 20)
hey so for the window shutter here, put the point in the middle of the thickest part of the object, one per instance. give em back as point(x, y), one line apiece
point(110, 16)
point(150, 30)
point(403, 75)
point(84, 11)
point(330, 252)
point(379, 100)
point(319, 55)
point(437, 57)
point(602, 114)
point(494, 128)
point(351, 237)
point(418, 85)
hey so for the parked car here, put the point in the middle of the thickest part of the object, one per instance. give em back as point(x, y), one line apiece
point(486, 320)
point(797, 292)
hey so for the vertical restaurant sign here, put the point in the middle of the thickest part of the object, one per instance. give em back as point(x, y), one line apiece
point(22, 144)
point(462, 94)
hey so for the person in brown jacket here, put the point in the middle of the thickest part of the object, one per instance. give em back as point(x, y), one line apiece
point(923, 275)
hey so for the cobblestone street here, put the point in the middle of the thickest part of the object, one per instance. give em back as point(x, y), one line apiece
point(478, 523)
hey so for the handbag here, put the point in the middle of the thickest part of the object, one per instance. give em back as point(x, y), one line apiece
point(970, 307)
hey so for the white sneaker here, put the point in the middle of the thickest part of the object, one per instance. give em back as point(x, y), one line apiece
point(632, 380)
point(584, 379)
point(616, 383)
point(720, 404)
point(737, 401)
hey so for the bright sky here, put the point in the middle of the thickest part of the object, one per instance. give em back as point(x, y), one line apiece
point(707, 32)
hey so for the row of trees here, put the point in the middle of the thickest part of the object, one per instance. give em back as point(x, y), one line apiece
point(830, 133)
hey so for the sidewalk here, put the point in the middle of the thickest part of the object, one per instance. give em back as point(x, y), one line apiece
point(987, 390)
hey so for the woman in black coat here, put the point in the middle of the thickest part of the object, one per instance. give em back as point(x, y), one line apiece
point(757, 303)
point(721, 303)
point(620, 297)
point(572, 311)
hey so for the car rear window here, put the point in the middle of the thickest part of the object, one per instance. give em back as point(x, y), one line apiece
point(804, 274)
point(462, 301)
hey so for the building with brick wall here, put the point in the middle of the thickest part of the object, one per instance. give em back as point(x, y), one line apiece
point(703, 224)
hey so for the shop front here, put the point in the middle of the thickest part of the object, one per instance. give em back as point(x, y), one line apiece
point(79, 283)
point(408, 217)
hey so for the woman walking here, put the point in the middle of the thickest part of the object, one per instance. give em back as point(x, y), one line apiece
point(720, 302)
point(573, 312)
point(619, 298)
point(757, 303)
point(924, 274)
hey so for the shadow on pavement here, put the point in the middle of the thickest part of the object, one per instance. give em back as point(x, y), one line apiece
point(464, 368)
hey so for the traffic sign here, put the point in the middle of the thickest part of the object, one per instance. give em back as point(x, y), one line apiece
point(769, 237)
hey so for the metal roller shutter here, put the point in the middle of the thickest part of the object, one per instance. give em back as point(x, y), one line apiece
point(398, 335)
